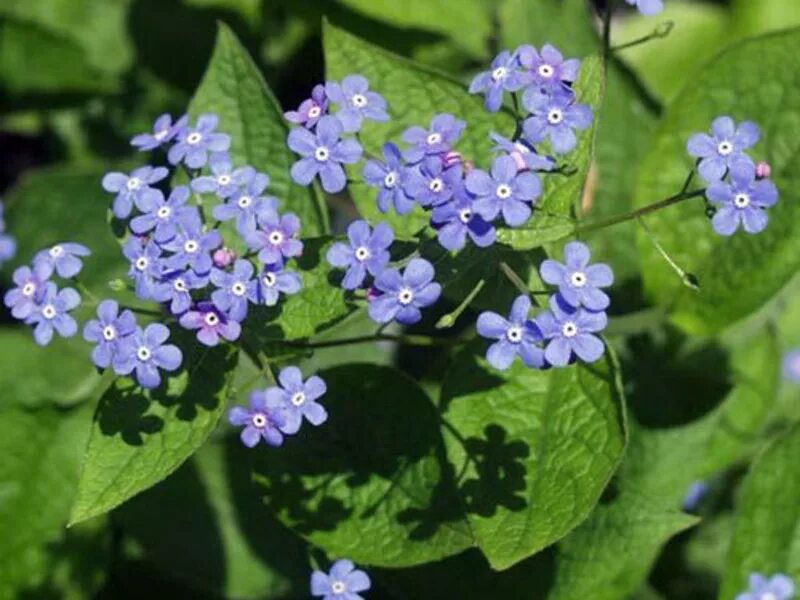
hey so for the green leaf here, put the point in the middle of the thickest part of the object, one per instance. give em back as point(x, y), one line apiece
point(233, 88)
point(521, 441)
point(762, 264)
point(138, 437)
point(372, 483)
point(766, 536)
point(564, 23)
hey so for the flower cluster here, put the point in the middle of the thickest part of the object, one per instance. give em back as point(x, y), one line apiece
point(777, 587)
point(344, 582)
point(8, 245)
point(739, 190)
point(567, 329)
point(647, 7)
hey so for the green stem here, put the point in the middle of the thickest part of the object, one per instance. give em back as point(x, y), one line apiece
point(86, 292)
point(449, 319)
point(662, 31)
point(688, 279)
point(406, 340)
point(512, 276)
point(607, 33)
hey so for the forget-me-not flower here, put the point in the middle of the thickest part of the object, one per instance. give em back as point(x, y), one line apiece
point(194, 144)
point(516, 336)
point(724, 148)
point(356, 102)
point(579, 282)
point(403, 295)
point(131, 189)
point(367, 252)
point(324, 153)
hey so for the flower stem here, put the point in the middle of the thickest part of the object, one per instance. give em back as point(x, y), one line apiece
point(512, 276)
point(662, 31)
point(406, 340)
point(86, 292)
point(688, 279)
point(449, 319)
point(607, 32)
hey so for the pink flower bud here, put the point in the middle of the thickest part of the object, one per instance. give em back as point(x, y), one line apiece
point(224, 257)
point(763, 170)
point(373, 293)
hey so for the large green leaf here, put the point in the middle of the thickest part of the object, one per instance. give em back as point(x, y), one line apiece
point(234, 88)
point(371, 483)
point(138, 438)
point(533, 449)
point(766, 537)
point(760, 264)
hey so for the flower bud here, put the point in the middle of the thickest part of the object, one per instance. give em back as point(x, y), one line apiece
point(224, 257)
point(763, 170)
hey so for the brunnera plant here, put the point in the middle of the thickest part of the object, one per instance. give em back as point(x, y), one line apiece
point(470, 222)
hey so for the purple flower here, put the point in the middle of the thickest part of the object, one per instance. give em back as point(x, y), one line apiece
point(192, 246)
point(555, 116)
point(299, 398)
point(236, 289)
point(62, 258)
point(516, 336)
point(356, 102)
point(389, 176)
point(323, 153)
point(571, 331)
point(163, 131)
point(51, 313)
point(131, 189)
point(647, 7)
point(444, 131)
point(791, 365)
point(547, 68)
point(274, 281)
point(275, 238)
point(724, 149)
point(505, 191)
point(524, 155)
point(194, 143)
point(247, 203)
point(225, 180)
point(367, 252)
point(458, 219)
point(107, 331)
point(694, 495)
point(145, 352)
point(777, 587)
point(742, 202)
point(211, 323)
point(579, 282)
point(264, 419)
point(503, 76)
point(23, 299)
point(176, 288)
point(432, 184)
point(343, 583)
point(310, 110)
point(146, 265)
point(403, 295)
point(164, 215)
point(8, 248)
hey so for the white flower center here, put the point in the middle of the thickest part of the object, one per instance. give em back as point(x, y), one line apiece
point(578, 279)
point(143, 353)
point(194, 138)
point(191, 246)
point(569, 329)
point(211, 319)
point(555, 116)
point(741, 200)
point(725, 148)
point(314, 112)
point(338, 587)
point(465, 215)
point(499, 73)
point(259, 420)
point(269, 279)
point(298, 399)
point(160, 135)
point(109, 333)
point(141, 263)
point(434, 138)
point(49, 311)
point(359, 100)
point(521, 148)
point(29, 289)
point(436, 185)
point(276, 238)
point(56, 251)
point(546, 71)
point(245, 201)
point(179, 285)
point(362, 253)
point(768, 596)
point(322, 154)
point(514, 334)
point(390, 180)
point(405, 296)
point(134, 183)
point(238, 289)
point(224, 179)
point(503, 191)
point(164, 212)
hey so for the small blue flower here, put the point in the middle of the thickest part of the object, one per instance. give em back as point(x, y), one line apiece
point(62, 258)
point(323, 154)
point(457, 219)
point(505, 191)
point(192, 246)
point(263, 420)
point(791, 365)
point(163, 131)
point(404, 294)
point(743, 202)
point(431, 184)
point(236, 289)
point(569, 331)
point(195, 143)
point(579, 282)
point(145, 352)
point(524, 154)
point(310, 110)
point(176, 288)
point(107, 331)
point(367, 252)
point(555, 116)
point(344, 582)
point(224, 180)
point(52, 313)
point(777, 587)
point(275, 238)
point(211, 323)
point(132, 189)
point(647, 7)
point(247, 203)
point(503, 76)
point(444, 132)
point(23, 299)
point(274, 281)
point(356, 102)
point(724, 148)
point(694, 495)
point(8, 245)
point(164, 215)
point(299, 398)
point(516, 336)
point(389, 177)
point(548, 69)
point(146, 265)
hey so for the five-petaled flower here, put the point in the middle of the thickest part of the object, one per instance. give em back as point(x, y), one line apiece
point(457, 219)
point(63, 258)
point(146, 265)
point(163, 131)
point(547, 68)
point(224, 179)
point(299, 398)
point(344, 582)
point(724, 149)
point(356, 102)
point(310, 110)
point(22, 300)
point(571, 331)
point(579, 282)
point(145, 352)
point(192, 246)
point(516, 336)
point(163, 215)
point(132, 189)
point(432, 183)
point(211, 323)
point(402, 295)
point(503, 76)
point(275, 280)
point(263, 420)
point(107, 331)
point(505, 191)
point(323, 153)
point(389, 177)
point(742, 202)
point(51, 313)
point(444, 131)
point(195, 143)
point(276, 237)
point(367, 252)
point(246, 203)
point(235, 289)
point(555, 115)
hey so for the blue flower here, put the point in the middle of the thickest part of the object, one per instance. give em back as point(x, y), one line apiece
point(299, 398)
point(62, 258)
point(164, 215)
point(503, 76)
point(225, 180)
point(505, 191)
point(344, 582)
point(52, 313)
point(457, 219)
point(367, 252)
point(356, 102)
point(516, 336)
point(579, 282)
point(263, 420)
point(192, 246)
point(311, 109)
point(694, 495)
point(791, 364)
point(8, 245)
point(163, 131)
point(403, 295)
point(176, 288)
point(555, 116)
point(107, 331)
point(236, 289)
point(195, 143)
point(777, 587)
point(146, 265)
point(444, 131)
point(569, 331)
point(548, 69)
point(23, 299)
point(323, 154)
point(742, 202)
point(647, 7)
point(132, 189)
point(724, 148)
point(275, 238)
point(247, 203)
point(389, 177)
point(274, 281)
point(145, 352)
point(524, 154)
point(211, 323)
point(431, 184)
